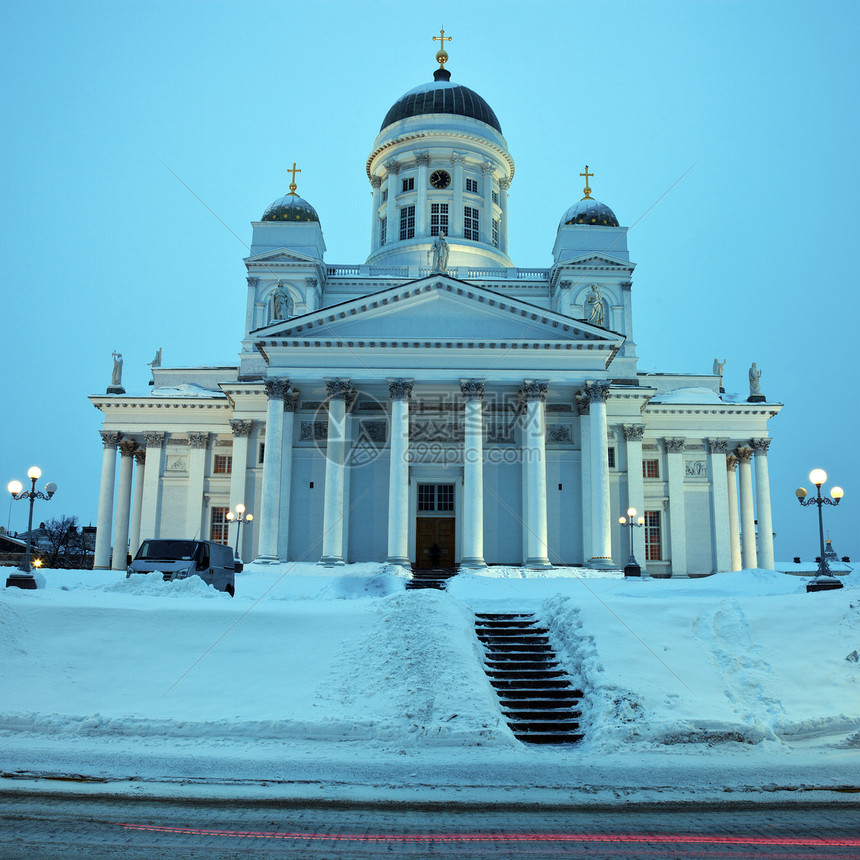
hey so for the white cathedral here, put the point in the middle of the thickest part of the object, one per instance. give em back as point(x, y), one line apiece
point(437, 405)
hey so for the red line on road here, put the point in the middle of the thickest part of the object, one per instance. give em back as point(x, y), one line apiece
point(653, 838)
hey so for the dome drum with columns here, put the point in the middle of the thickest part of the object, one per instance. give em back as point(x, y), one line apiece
point(437, 393)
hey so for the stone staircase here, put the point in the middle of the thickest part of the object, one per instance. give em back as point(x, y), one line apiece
point(435, 578)
point(537, 698)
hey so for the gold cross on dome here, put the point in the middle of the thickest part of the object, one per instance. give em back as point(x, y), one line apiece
point(442, 54)
point(587, 190)
point(294, 170)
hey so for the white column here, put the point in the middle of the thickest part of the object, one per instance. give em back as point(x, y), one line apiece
point(270, 495)
point(748, 551)
point(400, 390)
point(195, 528)
point(473, 475)
point(337, 392)
point(487, 176)
point(734, 525)
point(534, 395)
point(455, 223)
point(290, 404)
point(584, 407)
point(251, 306)
point(762, 504)
point(101, 556)
point(720, 512)
point(677, 506)
point(137, 503)
point(504, 185)
point(422, 224)
point(601, 534)
point(123, 505)
point(151, 506)
point(393, 168)
point(238, 478)
point(376, 184)
point(633, 434)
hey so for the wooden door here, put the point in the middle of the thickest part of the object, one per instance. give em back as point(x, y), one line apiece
point(434, 536)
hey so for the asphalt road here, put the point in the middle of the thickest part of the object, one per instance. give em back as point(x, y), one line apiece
point(70, 828)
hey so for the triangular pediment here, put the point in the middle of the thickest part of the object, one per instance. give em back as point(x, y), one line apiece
point(282, 256)
point(439, 309)
point(597, 261)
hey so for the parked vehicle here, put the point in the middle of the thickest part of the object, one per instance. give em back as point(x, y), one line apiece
point(179, 559)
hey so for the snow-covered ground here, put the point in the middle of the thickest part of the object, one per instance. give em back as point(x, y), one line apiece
point(339, 683)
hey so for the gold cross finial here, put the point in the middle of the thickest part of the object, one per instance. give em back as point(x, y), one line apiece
point(294, 170)
point(587, 190)
point(442, 54)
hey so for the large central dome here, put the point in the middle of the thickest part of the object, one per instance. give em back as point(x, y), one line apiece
point(440, 97)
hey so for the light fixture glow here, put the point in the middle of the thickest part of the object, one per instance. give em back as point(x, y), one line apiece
point(800, 492)
point(631, 512)
point(818, 477)
point(15, 487)
point(34, 473)
point(837, 493)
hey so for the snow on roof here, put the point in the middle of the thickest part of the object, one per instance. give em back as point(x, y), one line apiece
point(187, 389)
point(687, 395)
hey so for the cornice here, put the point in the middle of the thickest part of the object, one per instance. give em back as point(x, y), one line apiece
point(770, 409)
point(162, 403)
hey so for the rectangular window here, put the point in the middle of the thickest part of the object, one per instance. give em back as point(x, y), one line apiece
point(262, 452)
point(472, 186)
point(220, 525)
point(438, 219)
point(471, 224)
point(495, 232)
point(611, 456)
point(653, 539)
point(409, 184)
point(496, 197)
point(650, 468)
point(445, 497)
point(383, 230)
point(407, 222)
point(436, 497)
point(426, 497)
point(385, 195)
point(223, 464)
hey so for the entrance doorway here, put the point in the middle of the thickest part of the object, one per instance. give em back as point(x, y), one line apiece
point(435, 528)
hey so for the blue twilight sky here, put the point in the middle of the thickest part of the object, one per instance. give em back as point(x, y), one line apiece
point(749, 257)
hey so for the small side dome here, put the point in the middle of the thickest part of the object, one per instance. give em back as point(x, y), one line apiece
point(589, 211)
point(291, 207)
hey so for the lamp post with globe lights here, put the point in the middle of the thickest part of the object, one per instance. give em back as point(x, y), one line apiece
point(824, 579)
point(239, 517)
point(630, 521)
point(24, 578)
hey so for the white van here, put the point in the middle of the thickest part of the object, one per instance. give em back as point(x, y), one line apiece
point(179, 559)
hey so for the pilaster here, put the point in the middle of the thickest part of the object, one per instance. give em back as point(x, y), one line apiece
point(338, 391)
point(533, 393)
point(400, 390)
point(677, 505)
point(633, 435)
point(720, 528)
point(137, 503)
point(270, 496)
point(151, 507)
point(601, 535)
point(195, 528)
point(473, 475)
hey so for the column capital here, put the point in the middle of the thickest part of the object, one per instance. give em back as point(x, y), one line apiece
point(400, 389)
point(338, 389)
point(376, 181)
point(393, 167)
point(276, 389)
point(487, 167)
point(731, 463)
point(127, 447)
point(154, 439)
point(291, 400)
point(241, 428)
point(422, 158)
point(633, 432)
point(457, 158)
point(140, 456)
point(252, 281)
point(504, 184)
point(533, 389)
point(717, 446)
point(110, 438)
point(626, 286)
point(583, 405)
point(743, 453)
point(198, 440)
point(674, 445)
point(760, 446)
point(311, 283)
point(472, 389)
point(597, 392)
point(565, 285)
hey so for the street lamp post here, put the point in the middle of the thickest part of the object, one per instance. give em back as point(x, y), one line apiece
point(824, 580)
point(24, 578)
point(239, 517)
point(632, 568)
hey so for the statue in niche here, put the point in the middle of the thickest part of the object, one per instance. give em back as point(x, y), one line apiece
point(755, 385)
point(280, 303)
point(116, 375)
point(156, 362)
point(439, 252)
point(595, 299)
point(719, 366)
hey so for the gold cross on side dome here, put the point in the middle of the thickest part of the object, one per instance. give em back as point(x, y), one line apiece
point(587, 190)
point(293, 185)
point(442, 54)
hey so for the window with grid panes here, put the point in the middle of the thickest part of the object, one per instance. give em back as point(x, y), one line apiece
point(653, 537)
point(409, 184)
point(611, 455)
point(650, 468)
point(220, 524)
point(383, 230)
point(438, 219)
point(496, 197)
point(471, 223)
point(472, 186)
point(407, 222)
point(436, 497)
point(223, 464)
point(495, 232)
point(426, 497)
point(445, 497)
point(384, 195)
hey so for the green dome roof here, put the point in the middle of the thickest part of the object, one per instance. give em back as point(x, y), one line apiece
point(590, 211)
point(291, 207)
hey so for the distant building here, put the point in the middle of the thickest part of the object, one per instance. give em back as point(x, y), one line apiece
point(439, 394)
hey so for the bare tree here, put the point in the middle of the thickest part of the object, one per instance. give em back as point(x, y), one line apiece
point(61, 542)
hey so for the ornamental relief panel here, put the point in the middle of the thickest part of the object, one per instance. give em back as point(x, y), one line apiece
point(435, 431)
point(313, 431)
point(176, 463)
point(559, 434)
point(696, 469)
